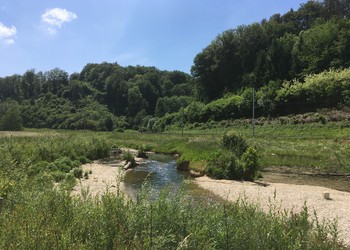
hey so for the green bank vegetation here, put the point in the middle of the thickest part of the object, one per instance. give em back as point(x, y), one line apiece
point(37, 215)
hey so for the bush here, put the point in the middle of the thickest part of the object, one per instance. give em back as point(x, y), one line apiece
point(141, 154)
point(250, 164)
point(58, 176)
point(233, 142)
point(78, 173)
point(236, 161)
point(225, 165)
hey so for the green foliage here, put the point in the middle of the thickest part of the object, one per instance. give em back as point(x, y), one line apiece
point(141, 153)
point(250, 164)
point(234, 142)
point(10, 116)
point(236, 161)
point(327, 89)
point(78, 172)
point(51, 219)
point(225, 165)
point(309, 40)
point(129, 157)
point(224, 108)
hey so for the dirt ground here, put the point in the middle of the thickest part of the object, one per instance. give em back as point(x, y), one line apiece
point(287, 197)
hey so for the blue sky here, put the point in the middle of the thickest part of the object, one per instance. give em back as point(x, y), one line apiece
point(167, 34)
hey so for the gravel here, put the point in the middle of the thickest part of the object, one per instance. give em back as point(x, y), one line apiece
point(287, 197)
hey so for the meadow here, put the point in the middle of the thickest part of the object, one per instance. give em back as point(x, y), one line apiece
point(38, 214)
point(322, 148)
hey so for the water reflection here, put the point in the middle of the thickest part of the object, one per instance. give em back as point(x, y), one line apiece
point(159, 171)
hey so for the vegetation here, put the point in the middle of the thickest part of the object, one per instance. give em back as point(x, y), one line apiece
point(56, 220)
point(236, 161)
point(36, 215)
point(296, 62)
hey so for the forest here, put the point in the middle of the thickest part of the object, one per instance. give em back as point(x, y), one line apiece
point(295, 62)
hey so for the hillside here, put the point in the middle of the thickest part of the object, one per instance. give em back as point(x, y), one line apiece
point(296, 62)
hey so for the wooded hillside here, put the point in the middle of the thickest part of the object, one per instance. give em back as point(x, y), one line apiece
point(296, 62)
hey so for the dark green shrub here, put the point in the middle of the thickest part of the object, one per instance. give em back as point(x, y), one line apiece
point(83, 159)
point(78, 173)
point(141, 154)
point(234, 142)
point(182, 164)
point(70, 181)
point(97, 149)
point(86, 174)
point(37, 168)
point(250, 164)
point(225, 165)
point(58, 176)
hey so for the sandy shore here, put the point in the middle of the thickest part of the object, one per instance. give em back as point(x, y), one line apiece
point(289, 197)
point(103, 177)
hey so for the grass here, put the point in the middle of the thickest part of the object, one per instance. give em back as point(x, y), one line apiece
point(37, 216)
point(52, 219)
point(312, 147)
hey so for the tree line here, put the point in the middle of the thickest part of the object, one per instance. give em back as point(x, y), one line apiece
point(296, 62)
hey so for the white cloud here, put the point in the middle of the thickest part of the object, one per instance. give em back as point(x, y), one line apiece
point(54, 18)
point(7, 34)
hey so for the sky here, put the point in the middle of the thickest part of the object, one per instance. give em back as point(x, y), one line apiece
point(167, 34)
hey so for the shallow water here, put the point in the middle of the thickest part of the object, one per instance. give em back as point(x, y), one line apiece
point(159, 171)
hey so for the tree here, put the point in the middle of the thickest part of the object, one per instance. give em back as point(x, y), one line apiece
point(10, 119)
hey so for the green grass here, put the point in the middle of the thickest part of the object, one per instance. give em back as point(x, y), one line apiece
point(312, 147)
point(36, 216)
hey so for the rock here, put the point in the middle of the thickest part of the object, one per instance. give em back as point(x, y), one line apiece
point(196, 174)
point(327, 195)
point(128, 165)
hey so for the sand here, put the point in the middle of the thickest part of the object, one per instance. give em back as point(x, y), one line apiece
point(287, 197)
point(103, 177)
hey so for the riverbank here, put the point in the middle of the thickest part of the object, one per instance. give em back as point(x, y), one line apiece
point(287, 197)
point(102, 178)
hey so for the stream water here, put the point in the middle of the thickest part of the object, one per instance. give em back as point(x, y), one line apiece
point(159, 171)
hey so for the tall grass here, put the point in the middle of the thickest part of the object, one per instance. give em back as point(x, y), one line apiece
point(53, 219)
point(37, 215)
